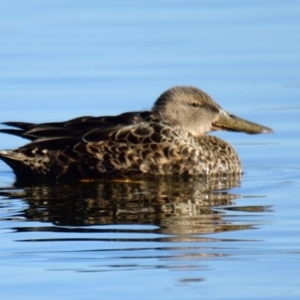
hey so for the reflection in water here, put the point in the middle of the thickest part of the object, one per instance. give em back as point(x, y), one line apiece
point(180, 210)
point(176, 206)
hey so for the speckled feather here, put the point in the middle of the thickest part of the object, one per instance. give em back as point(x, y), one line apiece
point(170, 139)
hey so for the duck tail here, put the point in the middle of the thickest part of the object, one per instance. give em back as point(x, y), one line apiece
point(16, 162)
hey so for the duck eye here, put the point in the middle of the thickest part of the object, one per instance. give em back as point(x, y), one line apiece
point(194, 104)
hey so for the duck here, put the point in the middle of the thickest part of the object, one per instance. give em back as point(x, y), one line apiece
point(170, 139)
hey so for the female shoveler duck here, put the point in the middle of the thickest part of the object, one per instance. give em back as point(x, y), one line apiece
point(169, 139)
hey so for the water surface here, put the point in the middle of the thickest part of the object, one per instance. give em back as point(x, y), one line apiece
point(232, 238)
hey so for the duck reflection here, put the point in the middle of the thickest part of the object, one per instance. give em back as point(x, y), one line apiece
point(175, 205)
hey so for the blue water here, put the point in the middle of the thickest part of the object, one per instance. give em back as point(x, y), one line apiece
point(62, 59)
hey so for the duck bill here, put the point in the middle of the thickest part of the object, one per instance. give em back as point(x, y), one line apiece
point(230, 122)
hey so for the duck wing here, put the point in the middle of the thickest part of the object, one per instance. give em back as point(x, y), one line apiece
point(73, 129)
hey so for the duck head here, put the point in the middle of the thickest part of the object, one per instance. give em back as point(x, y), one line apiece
point(196, 112)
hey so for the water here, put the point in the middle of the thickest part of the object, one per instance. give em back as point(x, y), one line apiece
point(159, 239)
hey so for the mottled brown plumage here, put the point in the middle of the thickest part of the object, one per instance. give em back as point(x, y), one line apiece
point(170, 139)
